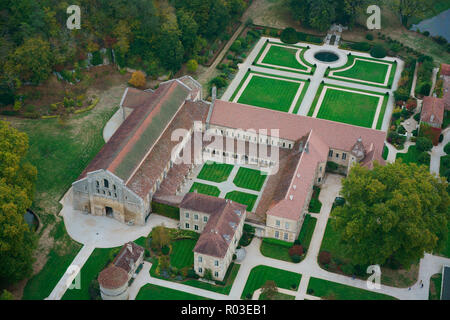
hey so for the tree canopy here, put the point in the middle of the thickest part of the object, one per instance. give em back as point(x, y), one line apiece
point(393, 213)
point(17, 179)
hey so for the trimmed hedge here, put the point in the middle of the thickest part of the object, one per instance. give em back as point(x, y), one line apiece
point(166, 210)
point(278, 242)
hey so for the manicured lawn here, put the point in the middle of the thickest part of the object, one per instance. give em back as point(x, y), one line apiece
point(366, 70)
point(249, 179)
point(277, 296)
point(411, 156)
point(276, 94)
point(446, 248)
point(435, 287)
point(307, 231)
point(385, 152)
point(315, 205)
point(232, 272)
point(216, 172)
point(154, 292)
point(181, 255)
point(336, 291)
point(242, 198)
point(284, 57)
point(356, 108)
point(276, 249)
point(260, 274)
point(205, 189)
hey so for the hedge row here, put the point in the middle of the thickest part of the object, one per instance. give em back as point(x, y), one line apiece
point(166, 210)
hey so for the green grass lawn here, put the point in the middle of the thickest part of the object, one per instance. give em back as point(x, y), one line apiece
point(347, 107)
point(336, 291)
point(435, 287)
point(307, 231)
point(446, 248)
point(366, 70)
point(242, 198)
point(181, 255)
point(283, 57)
point(260, 274)
point(411, 156)
point(216, 172)
point(232, 272)
point(249, 179)
point(275, 94)
point(276, 249)
point(154, 292)
point(277, 296)
point(385, 152)
point(205, 189)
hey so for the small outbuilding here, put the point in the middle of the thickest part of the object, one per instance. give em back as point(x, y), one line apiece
point(113, 282)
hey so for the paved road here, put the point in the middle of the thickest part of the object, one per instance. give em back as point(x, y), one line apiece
point(438, 151)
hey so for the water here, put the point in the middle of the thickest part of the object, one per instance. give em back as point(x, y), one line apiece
point(437, 26)
point(326, 56)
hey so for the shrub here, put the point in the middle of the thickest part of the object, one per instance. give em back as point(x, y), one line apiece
point(192, 65)
point(332, 166)
point(219, 82)
point(369, 36)
point(447, 148)
point(417, 117)
point(324, 257)
point(424, 88)
point(137, 79)
point(236, 46)
point(360, 46)
point(96, 58)
point(378, 51)
point(289, 35)
point(424, 144)
point(424, 158)
point(191, 274)
point(296, 250)
point(165, 250)
point(401, 130)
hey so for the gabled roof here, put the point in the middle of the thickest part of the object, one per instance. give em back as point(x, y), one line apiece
point(445, 69)
point(128, 255)
point(224, 217)
point(432, 110)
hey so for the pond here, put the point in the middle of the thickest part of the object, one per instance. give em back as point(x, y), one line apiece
point(437, 26)
point(326, 56)
point(31, 220)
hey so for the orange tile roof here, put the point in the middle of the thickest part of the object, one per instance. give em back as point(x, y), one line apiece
point(445, 69)
point(432, 108)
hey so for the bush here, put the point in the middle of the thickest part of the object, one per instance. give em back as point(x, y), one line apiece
point(96, 58)
point(137, 79)
point(166, 210)
point(360, 46)
point(324, 257)
point(401, 130)
point(289, 35)
point(378, 51)
point(191, 274)
point(417, 117)
point(236, 46)
point(192, 65)
point(447, 148)
point(332, 166)
point(424, 144)
point(165, 250)
point(424, 158)
point(369, 36)
point(296, 250)
point(219, 82)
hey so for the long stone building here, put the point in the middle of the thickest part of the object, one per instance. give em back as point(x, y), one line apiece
point(140, 163)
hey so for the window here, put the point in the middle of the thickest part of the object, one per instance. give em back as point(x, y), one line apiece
point(320, 179)
point(330, 154)
point(196, 227)
point(196, 216)
point(277, 234)
point(114, 187)
point(97, 183)
point(187, 214)
point(187, 225)
point(205, 219)
point(109, 193)
point(200, 259)
point(320, 169)
point(216, 274)
point(337, 155)
point(286, 225)
point(200, 270)
point(344, 156)
point(115, 195)
point(286, 236)
point(277, 223)
point(216, 263)
point(106, 183)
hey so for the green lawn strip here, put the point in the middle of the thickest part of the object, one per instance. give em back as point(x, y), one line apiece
point(315, 205)
point(307, 231)
point(216, 172)
point(347, 107)
point(182, 253)
point(166, 210)
point(283, 57)
point(336, 291)
point(411, 156)
point(260, 274)
point(249, 179)
point(445, 251)
point(300, 99)
point(242, 198)
point(435, 287)
point(269, 93)
point(276, 249)
point(381, 115)
point(154, 292)
point(277, 296)
point(385, 152)
point(205, 189)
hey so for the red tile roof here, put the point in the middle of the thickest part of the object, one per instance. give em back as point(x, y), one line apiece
point(445, 69)
point(112, 277)
point(225, 216)
point(432, 110)
point(126, 256)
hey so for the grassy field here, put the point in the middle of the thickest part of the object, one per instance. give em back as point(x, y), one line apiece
point(242, 198)
point(283, 57)
point(276, 94)
point(336, 291)
point(249, 179)
point(307, 231)
point(154, 292)
point(181, 255)
point(276, 249)
point(277, 296)
point(216, 172)
point(205, 189)
point(260, 274)
point(435, 287)
point(385, 152)
point(366, 70)
point(232, 272)
point(347, 107)
point(411, 156)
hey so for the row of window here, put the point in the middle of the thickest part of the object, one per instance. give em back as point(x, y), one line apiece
point(105, 184)
point(216, 274)
point(216, 262)
point(285, 236)
point(248, 138)
point(205, 218)
point(278, 224)
point(330, 155)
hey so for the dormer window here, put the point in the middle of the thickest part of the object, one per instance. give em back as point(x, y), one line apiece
point(106, 183)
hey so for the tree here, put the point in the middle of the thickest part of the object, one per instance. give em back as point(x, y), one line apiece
point(207, 275)
point(171, 49)
point(160, 237)
point(6, 295)
point(378, 51)
point(192, 65)
point(289, 35)
point(411, 8)
point(392, 213)
point(317, 14)
point(424, 144)
point(189, 29)
point(447, 148)
point(269, 289)
point(17, 177)
point(137, 79)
